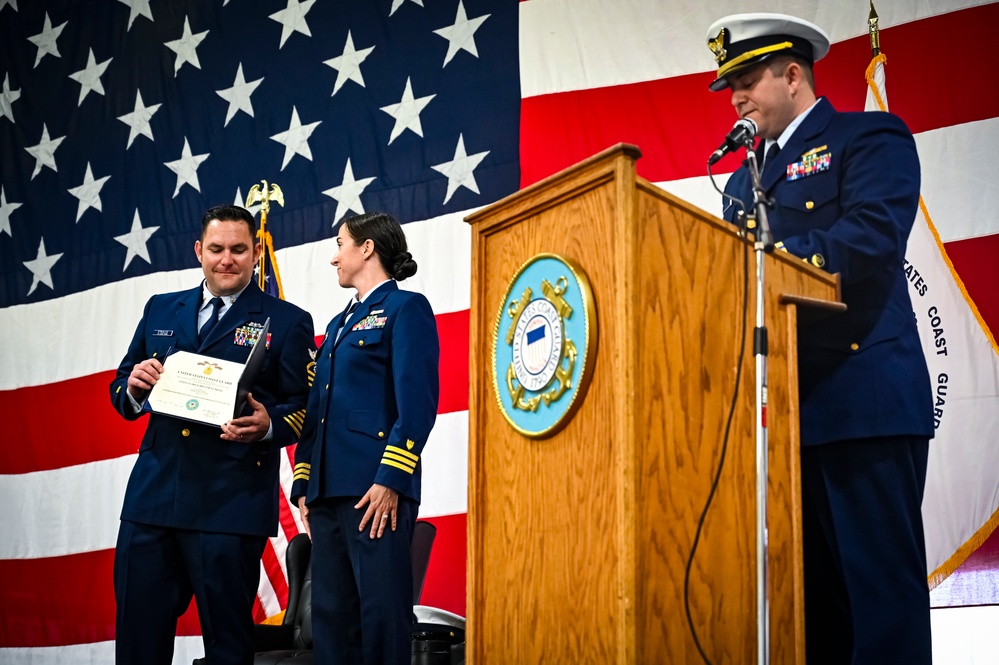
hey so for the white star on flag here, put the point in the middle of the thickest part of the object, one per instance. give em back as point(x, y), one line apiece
point(296, 138)
point(461, 35)
point(292, 19)
point(138, 120)
point(407, 112)
point(137, 8)
point(135, 241)
point(44, 152)
point(348, 194)
point(186, 168)
point(186, 47)
point(12, 3)
point(460, 171)
point(238, 95)
point(348, 64)
point(89, 77)
point(7, 99)
point(89, 193)
point(46, 40)
point(6, 208)
point(41, 267)
point(398, 3)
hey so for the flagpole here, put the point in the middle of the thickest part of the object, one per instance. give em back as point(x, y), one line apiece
point(264, 195)
point(872, 29)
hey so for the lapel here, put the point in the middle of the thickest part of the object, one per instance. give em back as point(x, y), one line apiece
point(800, 141)
point(364, 309)
point(248, 304)
point(185, 314)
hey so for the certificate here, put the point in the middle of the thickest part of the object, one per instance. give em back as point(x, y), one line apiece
point(205, 389)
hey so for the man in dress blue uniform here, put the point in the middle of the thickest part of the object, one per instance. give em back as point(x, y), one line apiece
point(202, 500)
point(846, 191)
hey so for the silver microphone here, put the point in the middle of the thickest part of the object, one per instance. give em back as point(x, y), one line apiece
point(742, 134)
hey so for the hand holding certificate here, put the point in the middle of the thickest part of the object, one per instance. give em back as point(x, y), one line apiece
point(205, 389)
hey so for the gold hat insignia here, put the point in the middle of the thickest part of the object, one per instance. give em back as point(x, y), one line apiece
point(717, 46)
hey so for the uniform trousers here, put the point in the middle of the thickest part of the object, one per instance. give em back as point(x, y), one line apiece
point(866, 595)
point(362, 587)
point(158, 569)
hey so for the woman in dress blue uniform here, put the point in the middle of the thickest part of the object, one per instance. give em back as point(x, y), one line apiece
point(358, 464)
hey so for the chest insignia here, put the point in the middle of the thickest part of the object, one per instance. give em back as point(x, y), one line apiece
point(812, 162)
point(370, 322)
point(247, 335)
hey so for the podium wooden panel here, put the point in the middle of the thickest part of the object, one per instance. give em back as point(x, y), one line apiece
point(577, 543)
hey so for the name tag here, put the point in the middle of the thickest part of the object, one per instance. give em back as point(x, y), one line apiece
point(162, 333)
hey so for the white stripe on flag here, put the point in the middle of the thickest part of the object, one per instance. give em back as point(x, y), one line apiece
point(75, 509)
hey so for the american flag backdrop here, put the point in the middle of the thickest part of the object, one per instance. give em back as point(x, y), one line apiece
point(121, 121)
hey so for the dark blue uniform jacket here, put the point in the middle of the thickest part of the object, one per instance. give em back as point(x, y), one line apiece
point(186, 477)
point(374, 400)
point(846, 187)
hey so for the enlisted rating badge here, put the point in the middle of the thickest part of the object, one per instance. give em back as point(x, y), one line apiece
point(544, 332)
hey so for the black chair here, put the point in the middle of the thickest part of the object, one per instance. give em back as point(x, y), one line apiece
point(294, 633)
point(291, 642)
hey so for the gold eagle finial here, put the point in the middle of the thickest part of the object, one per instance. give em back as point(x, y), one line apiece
point(264, 196)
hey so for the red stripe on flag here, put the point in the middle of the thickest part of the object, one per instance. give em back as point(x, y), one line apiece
point(286, 518)
point(272, 566)
point(258, 611)
point(452, 328)
point(559, 130)
point(977, 262)
point(445, 583)
point(106, 435)
point(109, 436)
point(67, 600)
point(59, 601)
point(677, 122)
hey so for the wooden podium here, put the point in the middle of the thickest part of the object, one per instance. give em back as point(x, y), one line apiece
point(577, 543)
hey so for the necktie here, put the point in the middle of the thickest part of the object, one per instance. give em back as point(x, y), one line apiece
point(213, 318)
point(771, 154)
point(343, 324)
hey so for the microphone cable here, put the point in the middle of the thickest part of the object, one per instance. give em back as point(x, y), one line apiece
point(744, 311)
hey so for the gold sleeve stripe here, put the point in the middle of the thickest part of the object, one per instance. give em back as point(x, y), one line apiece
point(405, 468)
point(301, 475)
point(302, 465)
point(404, 453)
point(295, 426)
point(410, 463)
point(298, 416)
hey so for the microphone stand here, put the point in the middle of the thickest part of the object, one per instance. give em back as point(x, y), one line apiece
point(762, 245)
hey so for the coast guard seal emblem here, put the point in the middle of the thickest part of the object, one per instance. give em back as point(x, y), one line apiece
point(542, 342)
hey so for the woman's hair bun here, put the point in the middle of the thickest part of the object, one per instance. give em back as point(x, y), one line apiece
point(404, 266)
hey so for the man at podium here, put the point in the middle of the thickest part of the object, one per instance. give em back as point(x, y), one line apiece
point(846, 191)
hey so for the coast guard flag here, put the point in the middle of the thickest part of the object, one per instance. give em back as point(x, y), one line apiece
point(121, 121)
point(961, 355)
